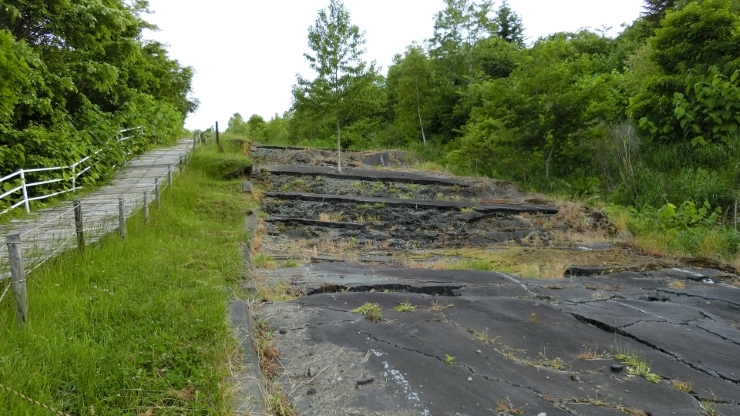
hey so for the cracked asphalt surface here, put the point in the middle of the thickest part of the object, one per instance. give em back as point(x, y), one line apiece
point(486, 342)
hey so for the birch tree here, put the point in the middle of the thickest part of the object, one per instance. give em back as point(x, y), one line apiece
point(337, 47)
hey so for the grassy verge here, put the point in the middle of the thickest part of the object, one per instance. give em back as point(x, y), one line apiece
point(135, 326)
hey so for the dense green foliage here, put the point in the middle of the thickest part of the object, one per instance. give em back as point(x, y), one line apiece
point(74, 73)
point(645, 119)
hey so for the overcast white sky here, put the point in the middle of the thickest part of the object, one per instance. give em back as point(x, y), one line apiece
point(246, 53)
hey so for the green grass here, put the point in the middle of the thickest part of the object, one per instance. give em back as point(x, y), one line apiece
point(637, 366)
point(405, 306)
point(137, 325)
point(372, 311)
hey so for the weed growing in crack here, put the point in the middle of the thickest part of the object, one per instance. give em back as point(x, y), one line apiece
point(275, 291)
point(677, 285)
point(590, 355)
point(449, 359)
point(290, 263)
point(263, 261)
point(483, 336)
point(505, 406)
point(372, 311)
point(556, 363)
point(708, 408)
point(405, 306)
point(280, 406)
point(267, 353)
point(637, 366)
point(437, 307)
point(683, 386)
point(533, 318)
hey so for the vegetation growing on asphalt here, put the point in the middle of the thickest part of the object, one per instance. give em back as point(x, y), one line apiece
point(405, 306)
point(636, 365)
point(372, 311)
point(136, 326)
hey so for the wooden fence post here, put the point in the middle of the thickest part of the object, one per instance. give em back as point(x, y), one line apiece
point(78, 225)
point(169, 175)
point(218, 140)
point(122, 217)
point(156, 193)
point(146, 207)
point(18, 277)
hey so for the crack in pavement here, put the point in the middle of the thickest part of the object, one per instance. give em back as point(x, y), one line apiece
point(679, 294)
point(469, 368)
point(608, 328)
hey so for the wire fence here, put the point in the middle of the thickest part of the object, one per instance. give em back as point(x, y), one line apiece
point(47, 233)
point(63, 179)
point(31, 242)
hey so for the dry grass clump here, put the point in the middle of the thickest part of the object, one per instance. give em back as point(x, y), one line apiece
point(346, 250)
point(683, 386)
point(677, 285)
point(569, 215)
point(330, 217)
point(268, 354)
point(592, 354)
point(435, 306)
point(552, 270)
point(504, 406)
point(275, 291)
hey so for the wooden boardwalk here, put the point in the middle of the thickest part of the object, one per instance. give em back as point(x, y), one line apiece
point(48, 232)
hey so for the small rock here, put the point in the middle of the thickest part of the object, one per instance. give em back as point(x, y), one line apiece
point(366, 381)
point(283, 331)
point(311, 391)
point(339, 378)
point(617, 368)
point(479, 352)
point(575, 377)
point(247, 187)
point(598, 387)
point(311, 372)
point(626, 391)
point(542, 414)
point(470, 378)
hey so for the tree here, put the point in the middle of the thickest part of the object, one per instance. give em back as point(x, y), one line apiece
point(691, 40)
point(510, 27)
point(458, 27)
point(412, 84)
point(337, 47)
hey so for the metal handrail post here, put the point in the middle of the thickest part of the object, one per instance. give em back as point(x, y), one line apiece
point(25, 193)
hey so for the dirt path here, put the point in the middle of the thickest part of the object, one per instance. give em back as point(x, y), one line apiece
point(423, 294)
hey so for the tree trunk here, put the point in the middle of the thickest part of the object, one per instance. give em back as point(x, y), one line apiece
point(339, 147)
point(418, 111)
point(547, 164)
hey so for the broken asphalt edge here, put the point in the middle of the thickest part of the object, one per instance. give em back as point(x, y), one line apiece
point(252, 399)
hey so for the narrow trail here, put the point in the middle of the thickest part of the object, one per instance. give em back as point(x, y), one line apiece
point(48, 232)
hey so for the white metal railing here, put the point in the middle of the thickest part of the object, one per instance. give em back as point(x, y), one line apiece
point(126, 134)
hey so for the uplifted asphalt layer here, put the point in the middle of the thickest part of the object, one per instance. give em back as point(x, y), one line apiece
point(485, 342)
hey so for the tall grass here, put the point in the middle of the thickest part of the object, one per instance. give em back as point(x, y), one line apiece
point(135, 326)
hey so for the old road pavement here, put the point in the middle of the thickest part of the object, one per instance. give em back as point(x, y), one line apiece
point(415, 293)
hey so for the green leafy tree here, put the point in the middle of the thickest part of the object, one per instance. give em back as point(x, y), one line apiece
point(337, 47)
point(692, 39)
point(78, 72)
point(411, 75)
